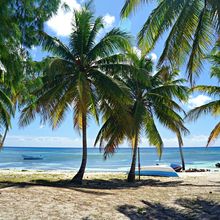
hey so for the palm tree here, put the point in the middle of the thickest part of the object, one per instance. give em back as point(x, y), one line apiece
point(212, 107)
point(76, 77)
point(6, 109)
point(152, 97)
point(192, 27)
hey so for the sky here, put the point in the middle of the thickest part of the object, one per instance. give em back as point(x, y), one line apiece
point(42, 135)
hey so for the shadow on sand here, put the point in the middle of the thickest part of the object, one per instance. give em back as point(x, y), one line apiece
point(187, 209)
point(102, 184)
point(92, 184)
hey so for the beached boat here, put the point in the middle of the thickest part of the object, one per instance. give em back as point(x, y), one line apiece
point(217, 165)
point(27, 157)
point(176, 167)
point(157, 171)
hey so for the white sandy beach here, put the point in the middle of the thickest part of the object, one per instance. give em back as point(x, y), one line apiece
point(47, 195)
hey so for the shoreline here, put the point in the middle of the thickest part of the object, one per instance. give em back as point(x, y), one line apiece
point(35, 171)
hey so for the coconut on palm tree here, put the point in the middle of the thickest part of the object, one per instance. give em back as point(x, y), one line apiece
point(76, 77)
point(212, 107)
point(192, 27)
point(152, 100)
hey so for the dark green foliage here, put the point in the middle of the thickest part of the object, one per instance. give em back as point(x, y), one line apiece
point(21, 20)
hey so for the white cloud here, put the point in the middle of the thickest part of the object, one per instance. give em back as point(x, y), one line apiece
point(45, 141)
point(137, 51)
point(153, 57)
point(199, 100)
point(61, 23)
point(42, 126)
point(189, 141)
point(58, 141)
point(108, 21)
point(33, 48)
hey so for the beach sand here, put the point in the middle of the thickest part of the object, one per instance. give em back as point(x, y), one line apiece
point(47, 195)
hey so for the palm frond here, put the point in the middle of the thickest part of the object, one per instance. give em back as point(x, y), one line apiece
point(153, 134)
point(214, 134)
point(131, 5)
point(181, 31)
point(211, 107)
point(210, 90)
point(113, 42)
point(202, 41)
point(158, 22)
point(54, 45)
point(80, 35)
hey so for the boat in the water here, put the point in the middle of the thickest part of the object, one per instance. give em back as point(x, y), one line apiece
point(28, 157)
point(157, 171)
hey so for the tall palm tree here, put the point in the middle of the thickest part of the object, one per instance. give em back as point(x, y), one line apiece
point(152, 97)
point(192, 27)
point(75, 78)
point(212, 107)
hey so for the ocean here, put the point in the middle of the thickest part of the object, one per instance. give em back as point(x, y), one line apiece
point(69, 158)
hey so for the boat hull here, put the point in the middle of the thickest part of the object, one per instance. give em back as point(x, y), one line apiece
point(32, 158)
point(157, 171)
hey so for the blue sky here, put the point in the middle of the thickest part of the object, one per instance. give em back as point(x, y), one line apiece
point(37, 134)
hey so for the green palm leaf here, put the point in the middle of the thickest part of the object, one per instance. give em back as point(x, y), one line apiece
point(191, 25)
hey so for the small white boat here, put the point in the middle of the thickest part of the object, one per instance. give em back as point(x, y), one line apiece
point(27, 157)
point(157, 171)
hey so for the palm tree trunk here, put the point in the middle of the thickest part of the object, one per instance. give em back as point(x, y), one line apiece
point(182, 158)
point(79, 176)
point(131, 174)
point(3, 139)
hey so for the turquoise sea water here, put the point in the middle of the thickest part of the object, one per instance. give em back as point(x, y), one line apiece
point(70, 158)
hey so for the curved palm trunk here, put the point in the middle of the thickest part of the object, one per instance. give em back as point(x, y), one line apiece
point(182, 158)
point(3, 139)
point(79, 176)
point(131, 174)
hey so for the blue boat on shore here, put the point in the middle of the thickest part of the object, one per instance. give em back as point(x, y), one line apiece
point(28, 157)
point(159, 170)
